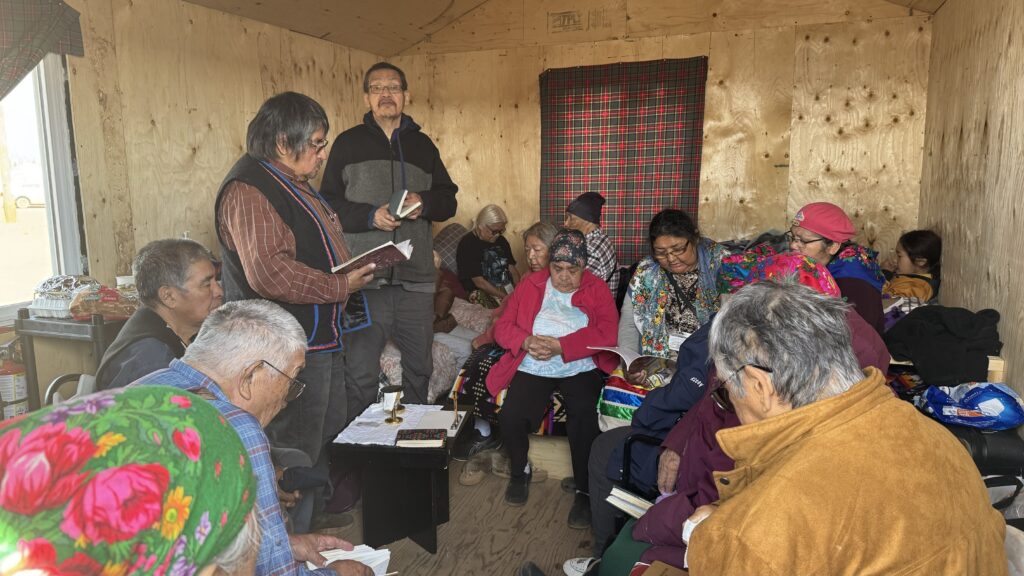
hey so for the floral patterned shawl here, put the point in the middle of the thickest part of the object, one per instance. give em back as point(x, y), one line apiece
point(147, 480)
point(856, 261)
point(649, 292)
point(738, 270)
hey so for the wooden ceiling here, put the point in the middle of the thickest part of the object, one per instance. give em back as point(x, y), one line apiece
point(389, 28)
point(929, 6)
point(382, 28)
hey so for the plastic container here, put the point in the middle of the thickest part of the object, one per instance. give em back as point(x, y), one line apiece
point(13, 389)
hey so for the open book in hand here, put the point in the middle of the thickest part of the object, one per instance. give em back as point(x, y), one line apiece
point(634, 362)
point(383, 256)
point(628, 502)
point(397, 207)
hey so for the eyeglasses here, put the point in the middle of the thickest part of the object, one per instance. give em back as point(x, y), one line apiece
point(742, 366)
point(497, 232)
point(721, 394)
point(319, 145)
point(794, 239)
point(676, 253)
point(721, 397)
point(380, 89)
point(295, 386)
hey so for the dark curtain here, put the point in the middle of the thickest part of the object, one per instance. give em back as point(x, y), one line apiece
point(31, 29)
point(631, 132)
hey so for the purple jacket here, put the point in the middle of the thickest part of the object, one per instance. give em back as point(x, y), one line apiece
point(694, 439)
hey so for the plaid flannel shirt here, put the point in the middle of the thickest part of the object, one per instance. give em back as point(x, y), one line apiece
point(275, 558)
point(601, 258)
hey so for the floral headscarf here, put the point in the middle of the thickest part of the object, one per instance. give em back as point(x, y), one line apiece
point(739, 270)
point(148, 480)
point(569, 246)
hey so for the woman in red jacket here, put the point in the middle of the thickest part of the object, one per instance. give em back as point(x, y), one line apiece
point(549, 323)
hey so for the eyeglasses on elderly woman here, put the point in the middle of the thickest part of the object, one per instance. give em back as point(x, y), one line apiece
point(720, 395)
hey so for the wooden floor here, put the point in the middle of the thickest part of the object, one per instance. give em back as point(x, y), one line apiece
point(485, 537)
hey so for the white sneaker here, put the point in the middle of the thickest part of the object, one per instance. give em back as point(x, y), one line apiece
point(579, 566)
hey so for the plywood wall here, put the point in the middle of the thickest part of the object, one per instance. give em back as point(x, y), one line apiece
point(160, 104)
point(858, 123)
point(973, 177)
point(788, 109)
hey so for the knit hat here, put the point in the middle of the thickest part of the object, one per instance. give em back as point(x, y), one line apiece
point(826, 220)
point(587, 206)
point(569, 246)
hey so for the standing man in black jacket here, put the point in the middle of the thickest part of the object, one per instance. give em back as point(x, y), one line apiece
point(367, 164)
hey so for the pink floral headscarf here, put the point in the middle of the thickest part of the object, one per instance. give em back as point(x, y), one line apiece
point(738, 270)
point(148, 480)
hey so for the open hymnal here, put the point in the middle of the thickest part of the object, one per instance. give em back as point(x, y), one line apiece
point(376, 560)
point(635, 362)
point(421, 438)
point(397, 207)
point(383, 256)
point(628, 502)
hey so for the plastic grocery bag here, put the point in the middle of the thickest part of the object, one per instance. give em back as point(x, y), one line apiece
point(986, 405)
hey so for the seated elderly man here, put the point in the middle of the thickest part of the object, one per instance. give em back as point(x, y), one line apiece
point(177, 283)
point(244, 361)
point(833, 473)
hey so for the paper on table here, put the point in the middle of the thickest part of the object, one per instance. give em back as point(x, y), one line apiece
point(442, 419)
point(369, 427)
point(376, 560)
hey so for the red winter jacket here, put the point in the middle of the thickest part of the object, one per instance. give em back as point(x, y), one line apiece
point(516, 323)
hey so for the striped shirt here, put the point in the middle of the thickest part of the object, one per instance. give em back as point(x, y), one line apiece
point(251, 226)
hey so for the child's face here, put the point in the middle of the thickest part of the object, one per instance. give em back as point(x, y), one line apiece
point(905, 264)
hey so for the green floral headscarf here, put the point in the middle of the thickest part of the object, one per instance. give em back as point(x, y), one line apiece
point(148, 480)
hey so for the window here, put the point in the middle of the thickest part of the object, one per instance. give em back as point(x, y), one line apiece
point(631, 132)
point(39, 228)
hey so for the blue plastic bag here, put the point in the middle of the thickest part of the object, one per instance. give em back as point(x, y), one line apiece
point(986, 405)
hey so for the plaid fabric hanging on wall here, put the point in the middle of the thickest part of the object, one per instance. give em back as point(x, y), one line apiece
point(631, 132)
point(31, 29)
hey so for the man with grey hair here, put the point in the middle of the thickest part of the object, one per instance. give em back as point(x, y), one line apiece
point(177, 283)
point(280, 241)
point(385, 155)
point(245, 362)
point(834, 474)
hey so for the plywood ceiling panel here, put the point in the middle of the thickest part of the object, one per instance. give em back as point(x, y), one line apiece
point(395, 27)
point(929, 6)
point(384, 28)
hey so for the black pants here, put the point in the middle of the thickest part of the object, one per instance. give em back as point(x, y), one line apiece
point(603, 516)
point(528, 397)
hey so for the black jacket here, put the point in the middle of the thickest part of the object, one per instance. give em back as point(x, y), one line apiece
point(948, 346)
point(363, 170)
point(144, 323)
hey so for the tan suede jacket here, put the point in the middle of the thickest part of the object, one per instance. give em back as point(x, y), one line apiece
point(860, 483)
